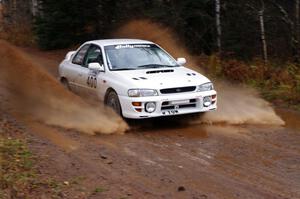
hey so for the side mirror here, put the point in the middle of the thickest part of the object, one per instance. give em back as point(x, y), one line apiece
point(96, 67)
point(181, 61)
point(70, 55)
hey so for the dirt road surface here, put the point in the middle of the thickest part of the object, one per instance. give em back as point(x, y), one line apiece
point(165, 159)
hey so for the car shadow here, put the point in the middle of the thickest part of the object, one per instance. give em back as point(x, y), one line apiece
point(163, 123)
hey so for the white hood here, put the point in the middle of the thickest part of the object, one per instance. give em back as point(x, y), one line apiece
point(161, 78)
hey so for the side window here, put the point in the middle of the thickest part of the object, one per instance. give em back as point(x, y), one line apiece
point(79, 57)
point(94, 54)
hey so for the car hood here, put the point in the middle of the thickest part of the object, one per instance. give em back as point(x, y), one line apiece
point(162, 78)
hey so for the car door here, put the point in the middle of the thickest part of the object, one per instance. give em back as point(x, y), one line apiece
point(92, 79)
point(76, 70)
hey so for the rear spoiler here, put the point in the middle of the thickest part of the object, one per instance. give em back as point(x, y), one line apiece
point(70, 55)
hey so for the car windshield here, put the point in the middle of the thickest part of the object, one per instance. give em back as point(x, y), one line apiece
point(137, 56)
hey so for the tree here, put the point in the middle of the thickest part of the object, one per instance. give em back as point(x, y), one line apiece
point(262, 31)
point(297, 28)
point(258, 10)
point(293, 26)
point(218, 25)
point(63, 23)
point(16, 11)
point(231, 27)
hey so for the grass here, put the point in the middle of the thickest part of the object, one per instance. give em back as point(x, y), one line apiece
point(99, 190)
point(16, 168)
point(18, 175)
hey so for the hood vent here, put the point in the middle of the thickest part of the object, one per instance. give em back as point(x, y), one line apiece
point(139, 78)
point(159, 71)
point(191, 74)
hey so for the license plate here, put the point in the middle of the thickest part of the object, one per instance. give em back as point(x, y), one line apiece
point(180, 102)
point(170, 112)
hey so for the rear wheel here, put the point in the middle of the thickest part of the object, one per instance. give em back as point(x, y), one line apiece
point(113, 102)
point(65, 84)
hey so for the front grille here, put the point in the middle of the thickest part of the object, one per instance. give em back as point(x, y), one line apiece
point(178, 90)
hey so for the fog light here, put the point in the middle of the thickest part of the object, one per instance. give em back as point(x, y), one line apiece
point(150, 107)
point(207, 101)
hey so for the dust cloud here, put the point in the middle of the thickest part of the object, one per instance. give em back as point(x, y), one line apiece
point(38, 96)
point(236, 104)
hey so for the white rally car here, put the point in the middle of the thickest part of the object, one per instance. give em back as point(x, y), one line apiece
point(137, 78)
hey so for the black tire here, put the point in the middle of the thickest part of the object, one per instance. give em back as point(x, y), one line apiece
point(66, 84)
point(113, 102)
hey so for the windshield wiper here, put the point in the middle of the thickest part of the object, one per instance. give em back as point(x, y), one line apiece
point(151, 66)
point(123, 69)
point(170, 66)
point(156, 66)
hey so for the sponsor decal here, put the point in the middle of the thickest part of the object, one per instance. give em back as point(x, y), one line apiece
point(92, 81)
point(132, 46)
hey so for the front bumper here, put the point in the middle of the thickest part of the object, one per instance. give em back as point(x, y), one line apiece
point(166, 105)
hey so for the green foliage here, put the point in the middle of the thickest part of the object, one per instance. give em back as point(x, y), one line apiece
point(69, 22)
point(297, 83)
point(63, 23)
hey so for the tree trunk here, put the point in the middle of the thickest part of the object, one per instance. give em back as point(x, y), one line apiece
point(14, 9)
point(1, 16)
point(263, 36)
point(218, 26)
point(297, 30)
point(34, 7)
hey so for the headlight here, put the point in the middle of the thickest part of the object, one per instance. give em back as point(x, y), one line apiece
point(142, 92)
point(205, 87)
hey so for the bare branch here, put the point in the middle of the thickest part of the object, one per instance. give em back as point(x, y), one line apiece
point(285, 15)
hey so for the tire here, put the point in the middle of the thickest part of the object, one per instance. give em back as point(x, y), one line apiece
point(113, 102)
point(66, 84)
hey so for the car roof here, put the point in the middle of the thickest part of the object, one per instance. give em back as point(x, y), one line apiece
point(107, 42)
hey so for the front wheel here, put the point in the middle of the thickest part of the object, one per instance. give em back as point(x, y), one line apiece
point(113, 102)
point(65, 84)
